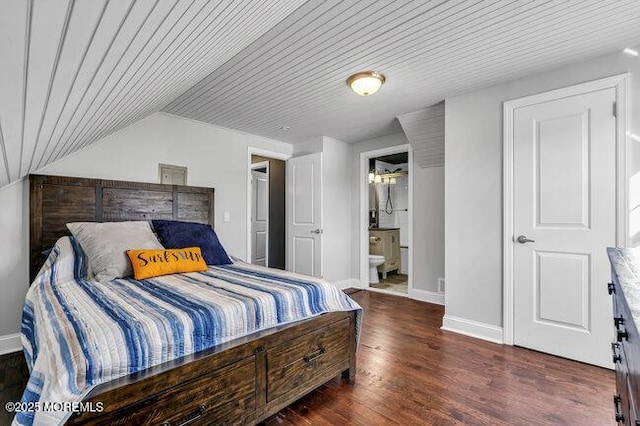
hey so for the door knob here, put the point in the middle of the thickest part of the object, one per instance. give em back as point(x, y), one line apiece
point(317, 231)
point(523, 239)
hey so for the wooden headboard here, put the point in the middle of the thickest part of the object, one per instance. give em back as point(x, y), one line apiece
point(57, 200)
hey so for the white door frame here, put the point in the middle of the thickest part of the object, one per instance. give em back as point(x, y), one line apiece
point(620, 83)
point(269, 154)
point(364, 214)
point(255, 166)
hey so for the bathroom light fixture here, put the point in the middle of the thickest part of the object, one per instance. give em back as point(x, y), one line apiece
point(366, 83)
point(372, 176)
point(377, 179)
point(631, 52)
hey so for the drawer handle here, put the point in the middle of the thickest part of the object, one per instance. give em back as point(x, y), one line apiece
point(617, 321)
point(622, 334)
point(611, 288)
point(199, 412)
point(616, 404)
point(314, 356)
point(616, 355)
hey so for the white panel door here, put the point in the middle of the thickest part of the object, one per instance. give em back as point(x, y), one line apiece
point(304, 205)
point(259, 217)
point(564, 200)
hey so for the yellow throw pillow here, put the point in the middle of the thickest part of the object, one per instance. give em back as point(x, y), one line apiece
point(153, 263)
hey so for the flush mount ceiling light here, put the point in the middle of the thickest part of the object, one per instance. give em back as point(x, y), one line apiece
point(631, 52)
point(366, 83)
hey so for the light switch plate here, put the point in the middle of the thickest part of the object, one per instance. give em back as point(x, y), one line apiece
point(227, 217)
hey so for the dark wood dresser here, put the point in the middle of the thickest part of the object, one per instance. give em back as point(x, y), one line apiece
point(626, 345)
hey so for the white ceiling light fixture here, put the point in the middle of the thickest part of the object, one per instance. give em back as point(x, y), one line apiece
point(366, 83)
point(631, 52)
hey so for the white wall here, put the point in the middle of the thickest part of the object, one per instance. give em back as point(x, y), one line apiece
point(473, 182)
point(428, 227)
point(336, 193)
point(215, 157)
point(428, 215)
point(14, 262)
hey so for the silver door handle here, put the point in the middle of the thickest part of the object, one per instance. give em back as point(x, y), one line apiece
point(523, 239)
point(317, 231)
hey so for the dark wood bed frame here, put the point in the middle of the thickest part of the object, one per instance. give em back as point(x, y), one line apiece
point(240, 382)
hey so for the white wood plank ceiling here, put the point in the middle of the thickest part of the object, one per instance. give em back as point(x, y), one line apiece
point(74, 71)
point(295, 74)
point(425, 130)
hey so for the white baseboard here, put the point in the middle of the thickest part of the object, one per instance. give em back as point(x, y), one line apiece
point(472, 328)
point(10, 343)
point(350, 282)
point(427, 296)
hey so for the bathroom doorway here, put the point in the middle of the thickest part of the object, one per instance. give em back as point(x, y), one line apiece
point(386, 227)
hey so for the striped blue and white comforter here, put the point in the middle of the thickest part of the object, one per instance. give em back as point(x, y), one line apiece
point(78, 333)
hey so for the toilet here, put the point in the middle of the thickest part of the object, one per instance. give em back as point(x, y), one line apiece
point(374, 262)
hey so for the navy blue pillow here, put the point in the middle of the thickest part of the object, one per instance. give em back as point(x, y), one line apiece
point(174, 234)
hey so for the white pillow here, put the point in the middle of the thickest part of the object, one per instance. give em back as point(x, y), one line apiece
point(106, 244)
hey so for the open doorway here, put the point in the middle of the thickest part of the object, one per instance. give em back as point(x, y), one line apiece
point(266, 211)
point(386, 231)
point(260, 213)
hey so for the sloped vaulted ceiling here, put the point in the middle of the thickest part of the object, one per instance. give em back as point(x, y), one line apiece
point(74, 71)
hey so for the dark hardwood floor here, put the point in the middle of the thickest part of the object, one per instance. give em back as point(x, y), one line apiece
point(412, 373)
point(409, 372)
point(13, 379)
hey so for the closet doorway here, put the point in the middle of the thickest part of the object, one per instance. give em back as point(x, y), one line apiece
point(386, 220)
point(260, 213)
point(266, 209)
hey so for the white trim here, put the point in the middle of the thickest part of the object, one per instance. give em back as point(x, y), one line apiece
point(349, 282)
point(264, 153)
point(269, 154)
point(10, 343)
point(427, 296)
point(471, 328)
point(384, 291)
point(620, 83)
point(253, 166)
point(414, 294)
point(364, 209)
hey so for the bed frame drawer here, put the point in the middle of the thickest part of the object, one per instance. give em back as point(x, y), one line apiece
point(225, 396)
point(315, 357)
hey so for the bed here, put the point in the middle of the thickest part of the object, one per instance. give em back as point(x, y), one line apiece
point(239, 381)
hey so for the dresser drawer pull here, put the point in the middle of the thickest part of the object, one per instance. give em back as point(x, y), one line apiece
point(618, 321)
point(622, 334)
point(611, 288)
point(199, 412)
point(616, 404)
point(315, 355)
point(616, 355)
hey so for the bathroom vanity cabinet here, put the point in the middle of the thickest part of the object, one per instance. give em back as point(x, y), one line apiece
point(386, 242)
